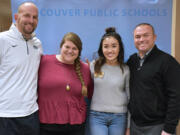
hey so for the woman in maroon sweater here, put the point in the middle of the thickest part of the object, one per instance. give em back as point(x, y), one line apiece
point(64, 81)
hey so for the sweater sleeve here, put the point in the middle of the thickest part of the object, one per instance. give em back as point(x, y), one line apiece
point(128, 94)
point(127, 82)
point(171, 77)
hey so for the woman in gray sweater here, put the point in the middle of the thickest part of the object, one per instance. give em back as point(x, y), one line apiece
point(108, 110)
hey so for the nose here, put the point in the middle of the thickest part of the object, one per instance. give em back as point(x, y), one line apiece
point(31, 19)
point(110, 50)
point(142, 38)
point(70, 50)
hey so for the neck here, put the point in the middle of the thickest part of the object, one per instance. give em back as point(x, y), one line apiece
point(26, 37)
point(112, 62)
point(141, 54)
point(59, 58)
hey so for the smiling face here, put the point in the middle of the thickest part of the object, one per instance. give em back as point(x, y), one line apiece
point(144, 39)
point(110, 48)
point(27, 19)
point(69, 52)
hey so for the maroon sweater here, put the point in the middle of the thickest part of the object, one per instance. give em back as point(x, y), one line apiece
point(57, 105)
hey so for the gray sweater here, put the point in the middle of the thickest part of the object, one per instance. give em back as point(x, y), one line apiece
point(111, 92)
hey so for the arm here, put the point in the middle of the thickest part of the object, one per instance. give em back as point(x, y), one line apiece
point(3, 47)
point(128, 96)
point(88, 62)
point(91, 83)
point(90, 88)
point(171, 77)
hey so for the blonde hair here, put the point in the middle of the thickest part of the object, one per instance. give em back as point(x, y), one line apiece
point(77, 41)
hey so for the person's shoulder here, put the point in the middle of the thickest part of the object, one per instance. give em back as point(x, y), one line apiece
point(45, 58)
point(4, 35)
point(48, 56)
point(9, 34)
point(126, 67)
point(2, 38)
point(167, 58)
point(164, 55)
point(84, 65)
point(5, 41)
point(36, 39)
point(92, 63)
point(36, 42)
point(47, 62)
point(131, 58)
point(133, 55)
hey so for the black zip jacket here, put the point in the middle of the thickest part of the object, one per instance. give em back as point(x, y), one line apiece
point(155, 90)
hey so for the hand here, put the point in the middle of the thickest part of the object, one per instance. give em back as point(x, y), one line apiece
point(87, 61)
point(127, 131)
point(165, 133)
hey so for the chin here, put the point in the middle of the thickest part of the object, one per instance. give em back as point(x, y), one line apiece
point(111, 59)
point(28, 31)
point(142, 49)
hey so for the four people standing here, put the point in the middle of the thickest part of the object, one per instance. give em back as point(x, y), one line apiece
point(20, 53)
point(154, 86)
point(64, 81)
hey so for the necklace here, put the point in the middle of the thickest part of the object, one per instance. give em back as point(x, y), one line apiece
point(68, 87)
point(100, 75)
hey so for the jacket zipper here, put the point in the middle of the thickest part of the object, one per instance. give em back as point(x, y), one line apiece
point(27, 48)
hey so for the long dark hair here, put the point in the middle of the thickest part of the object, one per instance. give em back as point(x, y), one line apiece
point(110, 32)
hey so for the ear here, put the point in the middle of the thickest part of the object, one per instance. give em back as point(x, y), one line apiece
point(16, 16)
point(155, 37)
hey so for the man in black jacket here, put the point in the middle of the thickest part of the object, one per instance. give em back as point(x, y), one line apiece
point(154, 86)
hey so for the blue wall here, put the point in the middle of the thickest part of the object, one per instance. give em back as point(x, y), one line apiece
point(89, 18)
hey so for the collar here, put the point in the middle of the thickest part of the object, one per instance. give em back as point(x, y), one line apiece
point(147, 53)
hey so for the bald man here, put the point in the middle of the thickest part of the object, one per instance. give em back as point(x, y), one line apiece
point(20, 53)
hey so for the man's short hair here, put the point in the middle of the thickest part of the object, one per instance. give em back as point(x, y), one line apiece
point(147, 24)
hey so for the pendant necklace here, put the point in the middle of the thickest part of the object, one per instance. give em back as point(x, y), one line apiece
point(68, 87)
point(100, 75)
